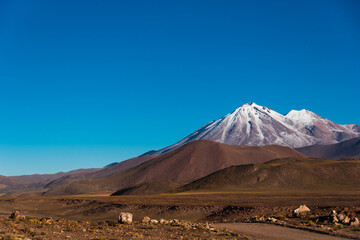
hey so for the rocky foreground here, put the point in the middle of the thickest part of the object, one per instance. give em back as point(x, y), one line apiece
point(19, 227)
point(129, 218)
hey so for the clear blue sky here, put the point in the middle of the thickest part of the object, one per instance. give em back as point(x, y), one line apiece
point(87, 83)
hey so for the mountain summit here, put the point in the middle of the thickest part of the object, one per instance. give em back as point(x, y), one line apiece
point(256, 125)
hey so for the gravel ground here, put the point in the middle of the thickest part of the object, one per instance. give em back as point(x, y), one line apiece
point(35, 229)
point(261, 231)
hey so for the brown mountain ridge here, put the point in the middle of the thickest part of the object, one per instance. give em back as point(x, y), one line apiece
point(190, 162)
point(283, 174)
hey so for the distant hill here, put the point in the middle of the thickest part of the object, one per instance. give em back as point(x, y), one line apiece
point(7, 182)
point(60, 183)
point(287, 174)
point(346, 149)
point(18, 185)
point(35, 178)
point(112, 169)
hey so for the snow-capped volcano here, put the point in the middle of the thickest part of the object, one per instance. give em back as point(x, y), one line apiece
point(255, 125)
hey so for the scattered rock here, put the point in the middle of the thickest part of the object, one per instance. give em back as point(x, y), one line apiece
point(207, 226)
point(271, 219)
point(36, 229)
point(163, 221)
point(16, 215)
point(63, 221)
point(341, 217)
point(355, 222)
point(57, 227)
point(146, 219)
point(174, 221)
point(154, 221)
point(346, 220)
point(47, 220)
point(334, 219)
point(125, 218)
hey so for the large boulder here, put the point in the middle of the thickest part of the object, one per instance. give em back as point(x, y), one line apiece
point(125, 218)
point(302, 210)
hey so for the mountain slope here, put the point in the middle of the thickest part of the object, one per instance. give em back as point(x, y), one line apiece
point(122, 166)
point(198, 159)
point(255, 125)
point(187, 163)
point(345, 149)
point(149, 188)
point(289, 173)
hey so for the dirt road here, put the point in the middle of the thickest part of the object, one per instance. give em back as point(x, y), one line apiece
point(260, 231)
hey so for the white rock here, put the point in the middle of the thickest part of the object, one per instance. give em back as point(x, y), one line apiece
point(301, 209)
point(125, 217)
point(271, 219)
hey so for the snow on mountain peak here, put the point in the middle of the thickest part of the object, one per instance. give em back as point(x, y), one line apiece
point(303, 116)
point(252, 107)
point(255, 125)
